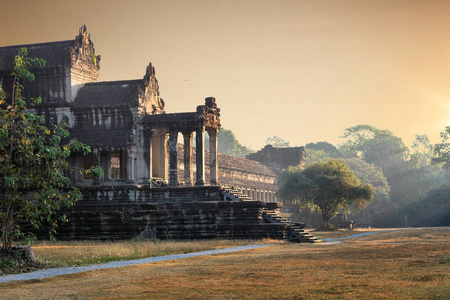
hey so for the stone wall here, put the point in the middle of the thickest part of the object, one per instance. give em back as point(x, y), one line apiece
point(180, 213)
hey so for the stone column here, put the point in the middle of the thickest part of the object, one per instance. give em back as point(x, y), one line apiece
point(200, 156)
point(130, 166)
point(173, 158)
point(213, 154)
point(146, 165)
point(164, 157)
point(96, 162)
point(188, 170)
point(105, 163)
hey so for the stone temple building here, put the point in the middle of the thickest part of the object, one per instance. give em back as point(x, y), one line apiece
point(153, 185)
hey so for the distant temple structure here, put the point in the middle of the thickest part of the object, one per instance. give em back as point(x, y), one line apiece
point(136, 143)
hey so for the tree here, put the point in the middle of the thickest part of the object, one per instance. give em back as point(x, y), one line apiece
point(33, 161)
point(379, 147)
point(229, 144)
point(381, 203)
point(442, 150)
point(423, 150)
point(320, 151)
point(277, 142)
point(328, 186)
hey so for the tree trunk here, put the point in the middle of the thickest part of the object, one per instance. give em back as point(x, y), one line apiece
point(23, 254)
point(6, 225)
point(326, 225)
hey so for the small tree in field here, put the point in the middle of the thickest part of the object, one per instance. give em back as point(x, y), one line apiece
point(328, 186)
point(33, 186)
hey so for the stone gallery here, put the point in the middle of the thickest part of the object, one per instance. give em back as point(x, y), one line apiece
point(153, 186)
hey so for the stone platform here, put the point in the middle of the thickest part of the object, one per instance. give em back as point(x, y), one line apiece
point(123, 212)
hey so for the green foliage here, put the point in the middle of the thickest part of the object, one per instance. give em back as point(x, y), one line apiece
point(320, 151)
point(409, 191)
point(442, 150)
point(423, 151)
point(229, 144)
point(437, 208)
point(381, 203)
point(33, 161)
point(328, 186)
point(277, 142)
point(370, 174)
point(402, 181)
point(379, 147)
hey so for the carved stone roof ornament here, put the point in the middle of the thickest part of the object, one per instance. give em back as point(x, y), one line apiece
point(154, 104)
point(210, 113)
point(82, 53)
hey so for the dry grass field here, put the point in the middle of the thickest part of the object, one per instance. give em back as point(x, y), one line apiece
point(70, 254)
point(403, 264)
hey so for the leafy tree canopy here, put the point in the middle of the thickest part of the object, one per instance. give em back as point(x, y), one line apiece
point(423, 151)
point(320, 151)
point(277, 142)
point(379, 147)
point(32, 183)
point(373, 175)
point(229, 144)
point(328, 186)
point(442, 150)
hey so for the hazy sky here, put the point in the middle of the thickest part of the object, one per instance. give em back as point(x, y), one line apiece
point(303, 70)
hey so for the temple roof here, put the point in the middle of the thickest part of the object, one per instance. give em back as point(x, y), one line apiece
point(246, 165)
point(109, 93)
point(54, 53)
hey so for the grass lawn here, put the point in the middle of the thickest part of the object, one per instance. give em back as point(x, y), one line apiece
point(403, 264)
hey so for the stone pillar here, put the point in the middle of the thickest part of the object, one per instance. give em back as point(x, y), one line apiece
point(164, 158)
point(200, 156)
point(105, 163)
point(96, 162)
point(213, 154)
point(173, 158)
point(130, 166)
point(146, 165)
point(188, 170)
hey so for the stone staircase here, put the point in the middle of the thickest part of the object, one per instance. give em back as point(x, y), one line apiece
point(232, 194)
point(296, 230)
point(271, 214)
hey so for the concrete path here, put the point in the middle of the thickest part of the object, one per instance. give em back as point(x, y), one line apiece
point(117, 264)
